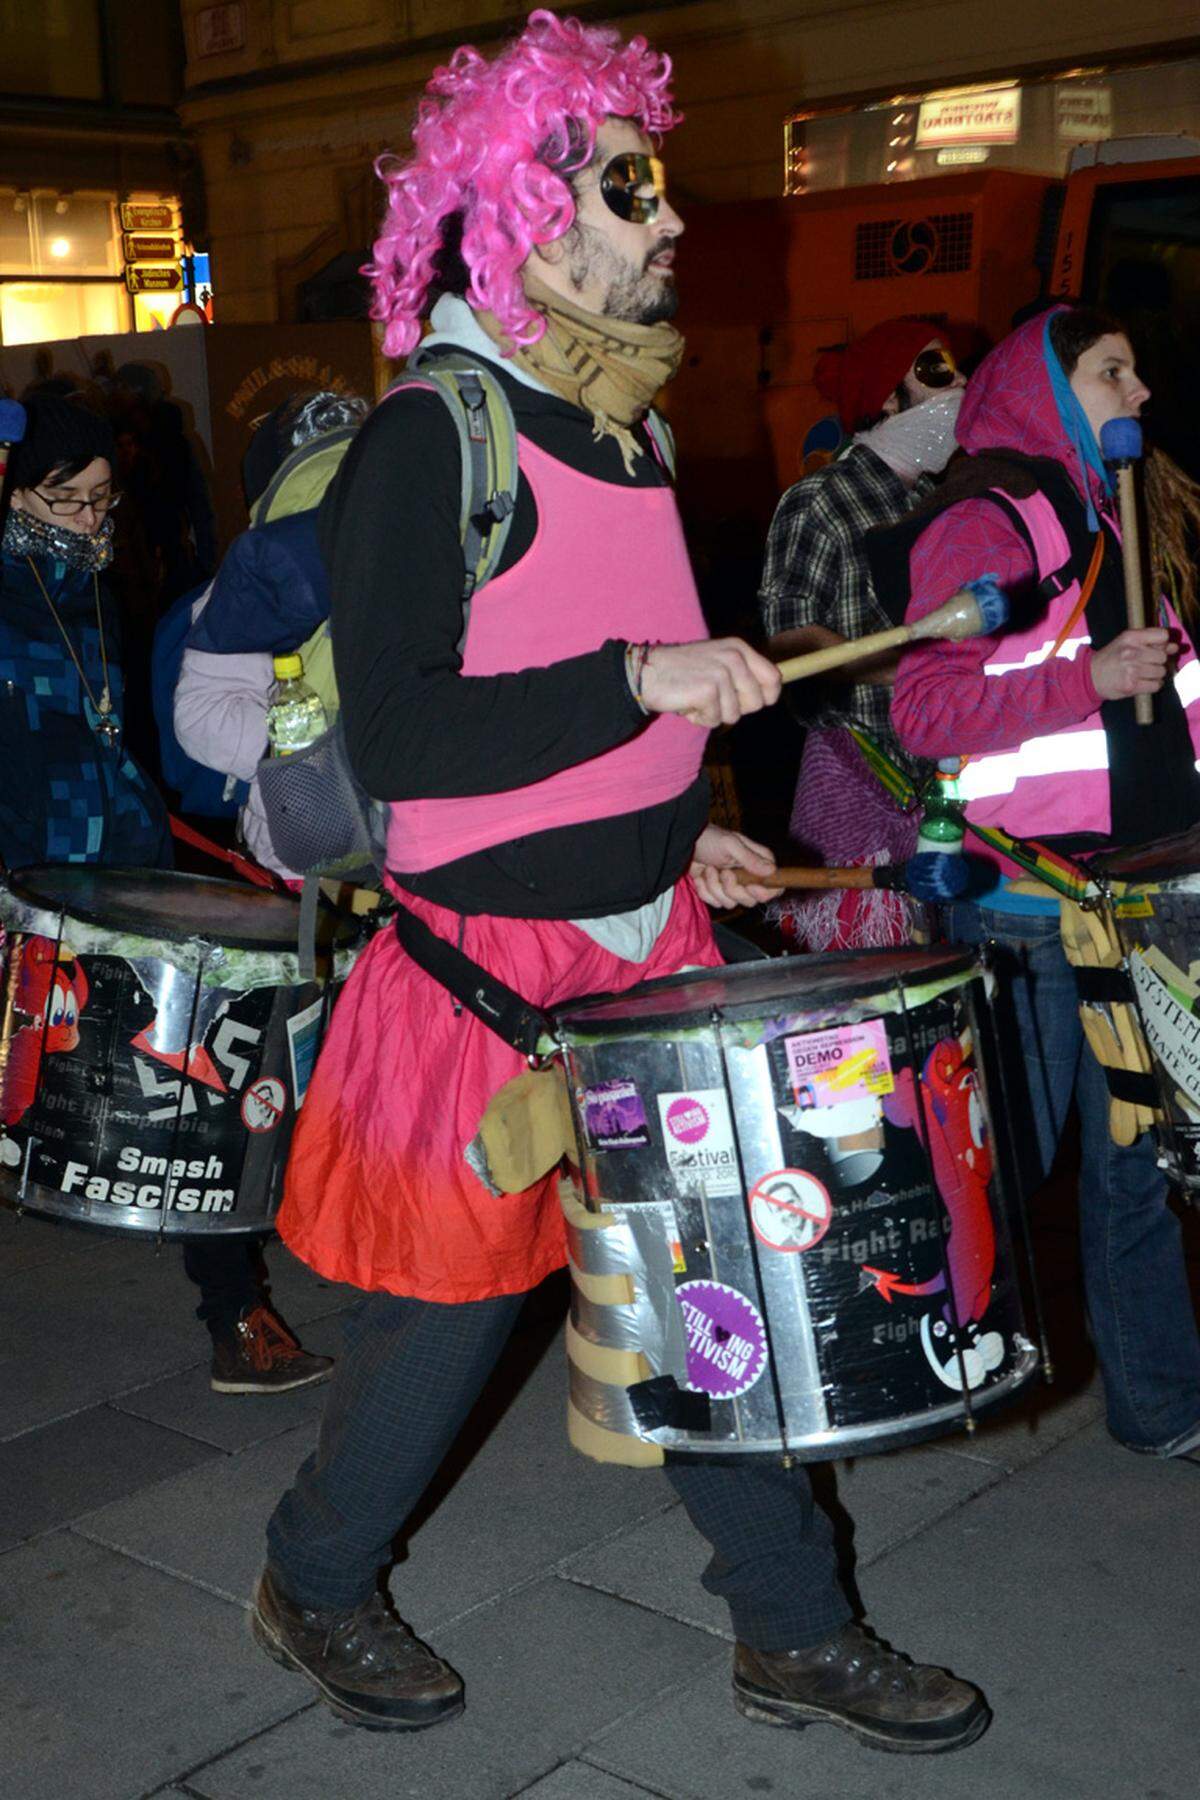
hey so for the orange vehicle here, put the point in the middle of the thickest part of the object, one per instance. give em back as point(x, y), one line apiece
point(765, 285)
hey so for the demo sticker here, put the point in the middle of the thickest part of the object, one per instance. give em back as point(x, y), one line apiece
point(790, 1210)
point(263, 1104)
point(849, 1062)
point(726, 1339)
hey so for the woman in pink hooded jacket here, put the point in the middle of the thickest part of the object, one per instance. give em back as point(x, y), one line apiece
point(1043, 714)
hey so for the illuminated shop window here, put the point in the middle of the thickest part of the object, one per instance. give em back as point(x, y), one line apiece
point(41, 312)
point(60, 239)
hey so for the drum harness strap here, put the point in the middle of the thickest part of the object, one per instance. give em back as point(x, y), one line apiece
point(518, 1022)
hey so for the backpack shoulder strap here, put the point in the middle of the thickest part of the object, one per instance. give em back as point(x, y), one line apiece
point(487, 436)
point(305, 475)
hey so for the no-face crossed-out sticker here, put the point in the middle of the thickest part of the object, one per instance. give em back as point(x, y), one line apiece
point(790, 1210)
point(263, 1104)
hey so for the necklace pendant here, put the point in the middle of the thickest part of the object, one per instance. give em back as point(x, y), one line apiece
point(103, 721)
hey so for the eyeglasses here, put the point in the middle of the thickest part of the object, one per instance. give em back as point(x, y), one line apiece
point(935, 368)
point(68, 509)
point(632, 185)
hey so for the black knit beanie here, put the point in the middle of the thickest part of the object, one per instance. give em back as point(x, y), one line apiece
point(57, 433)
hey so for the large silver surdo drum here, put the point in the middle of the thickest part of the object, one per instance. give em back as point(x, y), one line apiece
point(787, 1234)
point(156, 1042)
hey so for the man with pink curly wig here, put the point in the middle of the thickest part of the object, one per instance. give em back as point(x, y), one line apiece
point(548, 832)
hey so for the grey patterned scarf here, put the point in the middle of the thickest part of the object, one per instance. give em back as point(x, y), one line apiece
point(26, 536)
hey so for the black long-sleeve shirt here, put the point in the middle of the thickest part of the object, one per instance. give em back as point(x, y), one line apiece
point(417, 728)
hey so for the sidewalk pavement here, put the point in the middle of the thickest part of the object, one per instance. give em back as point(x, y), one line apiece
point(1058, 1571)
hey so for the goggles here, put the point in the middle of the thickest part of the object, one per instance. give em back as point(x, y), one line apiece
point(935, 368)
point(631, 185)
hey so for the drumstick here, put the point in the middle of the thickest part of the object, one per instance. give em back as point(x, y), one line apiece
point(1121, 445)
point(933, 875)
point(978, 609)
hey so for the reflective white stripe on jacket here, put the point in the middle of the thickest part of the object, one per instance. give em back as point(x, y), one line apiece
point(1059, 782)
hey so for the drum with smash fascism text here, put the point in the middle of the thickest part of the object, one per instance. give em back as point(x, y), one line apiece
point(156, 1042)
point(786, 1229)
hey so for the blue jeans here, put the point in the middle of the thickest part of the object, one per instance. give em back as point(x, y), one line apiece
point(1135, 1282)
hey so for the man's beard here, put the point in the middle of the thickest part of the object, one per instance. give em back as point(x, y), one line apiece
point(635, 296)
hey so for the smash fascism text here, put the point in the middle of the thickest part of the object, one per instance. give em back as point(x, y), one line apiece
point(78, 1179)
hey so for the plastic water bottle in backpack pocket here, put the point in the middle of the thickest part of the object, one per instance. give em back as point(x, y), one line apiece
point(321, 819)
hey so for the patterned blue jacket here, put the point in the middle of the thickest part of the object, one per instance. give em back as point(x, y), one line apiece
point(65, 797)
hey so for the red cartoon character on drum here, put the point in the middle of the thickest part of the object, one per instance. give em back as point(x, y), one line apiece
point(962, 1167)
point(51, 990)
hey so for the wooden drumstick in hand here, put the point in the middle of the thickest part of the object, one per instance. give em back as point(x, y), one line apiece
point(933, 876)
point(976, 610)
point(1121, 445)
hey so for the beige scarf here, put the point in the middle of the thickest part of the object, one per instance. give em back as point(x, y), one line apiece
point(604, 366)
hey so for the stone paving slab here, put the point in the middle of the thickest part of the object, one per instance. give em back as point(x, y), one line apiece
point(91, 1326)
point(526, 1501)
point(1032, 1427)
point(86, 1327)
point(29, 1242)
point(52, 1476)
point(659, 1562)
point(186, 1402)
point(545, 1670)
point(580, 1781)
point(117, 1678)
point(206, 1527)
point(1069, 1592)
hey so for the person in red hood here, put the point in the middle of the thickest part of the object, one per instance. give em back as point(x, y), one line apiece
point(1043, 714)
point(897, 391)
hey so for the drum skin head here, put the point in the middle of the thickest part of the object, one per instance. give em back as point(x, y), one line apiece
point(748, 990)
point(159, 903)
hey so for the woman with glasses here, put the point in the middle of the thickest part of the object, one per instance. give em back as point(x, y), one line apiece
point(71, 791)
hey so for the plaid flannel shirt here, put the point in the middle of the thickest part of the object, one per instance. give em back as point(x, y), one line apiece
point(816, 573)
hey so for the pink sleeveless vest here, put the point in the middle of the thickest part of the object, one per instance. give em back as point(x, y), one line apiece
point(605, 562)
point(1031, 789)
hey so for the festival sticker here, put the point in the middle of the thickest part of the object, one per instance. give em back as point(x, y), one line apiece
point(726, 1339)
point(790, 1210)
point(614, 1116)
point(698, 1139)
point(848, 1062)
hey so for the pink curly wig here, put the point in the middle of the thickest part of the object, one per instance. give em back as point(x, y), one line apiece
point(495, 141)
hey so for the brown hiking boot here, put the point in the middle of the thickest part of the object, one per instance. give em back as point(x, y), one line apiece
point(365, 1663)
point(262, 1357)
point(852, 1680)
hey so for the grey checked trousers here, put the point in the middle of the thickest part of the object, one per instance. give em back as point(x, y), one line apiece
point(409, 1373)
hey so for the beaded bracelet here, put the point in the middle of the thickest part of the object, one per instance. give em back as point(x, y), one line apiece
point(635, 669)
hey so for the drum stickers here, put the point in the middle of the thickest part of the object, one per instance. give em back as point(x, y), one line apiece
point(125, 1080)
point(842, 1264)
point(904, 1268)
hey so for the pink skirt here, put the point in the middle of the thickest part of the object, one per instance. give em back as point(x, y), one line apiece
point(379, 1192)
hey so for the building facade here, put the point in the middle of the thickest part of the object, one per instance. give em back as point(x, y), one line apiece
point(289, 101)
